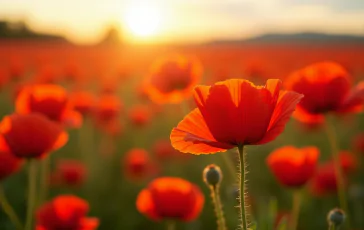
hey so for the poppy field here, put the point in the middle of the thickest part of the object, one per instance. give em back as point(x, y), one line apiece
point(264, 136)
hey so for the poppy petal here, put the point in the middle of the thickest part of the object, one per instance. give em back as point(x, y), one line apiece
point(286, 105)
point(301, 115)
point(72, 119)
point(354, 100)
point(224, 108)
point(61, 140)
point(145, 204)
point(200, 200)
point(193, 136)
point(89, 223)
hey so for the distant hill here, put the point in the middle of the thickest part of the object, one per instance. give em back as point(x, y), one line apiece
point(297, 38)
point(21, 31)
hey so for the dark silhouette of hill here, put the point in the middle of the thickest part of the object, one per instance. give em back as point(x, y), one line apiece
point(20, 30)
point(306, 37)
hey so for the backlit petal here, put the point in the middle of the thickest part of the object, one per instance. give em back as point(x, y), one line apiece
point(193, 136)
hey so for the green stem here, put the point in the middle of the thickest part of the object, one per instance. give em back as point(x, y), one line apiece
point(215, 195)
point(332, 227)
point(32, 187)
point(331, 134)
point(244, 224)
point(9, 211)
point(170, 225)
point(230, 165)
point(297, 198)
point(44, 179)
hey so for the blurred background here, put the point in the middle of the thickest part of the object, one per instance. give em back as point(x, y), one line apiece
point(109, 47)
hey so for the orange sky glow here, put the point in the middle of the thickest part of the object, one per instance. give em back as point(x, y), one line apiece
point(184, 20)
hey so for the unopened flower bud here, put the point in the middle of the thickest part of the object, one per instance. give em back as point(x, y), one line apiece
point(212, 175)
point(336, 217)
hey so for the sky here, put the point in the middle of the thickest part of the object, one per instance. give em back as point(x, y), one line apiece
point(85, 21)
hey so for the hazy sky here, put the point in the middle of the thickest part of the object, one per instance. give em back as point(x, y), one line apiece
point(192, 20)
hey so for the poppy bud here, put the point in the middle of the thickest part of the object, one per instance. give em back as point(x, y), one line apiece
point(336, 217)
point(212, 175)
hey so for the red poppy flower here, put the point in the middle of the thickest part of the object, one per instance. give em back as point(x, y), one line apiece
point(140, 115)
point(83, 102)
point(309, 125)
point(31, 135)
point(69, 172)
point(170, 198)
point(172, 79)
point(65, 212)
point(138, 164)
point(293, 167)
point(113, 128)
point(324, 181)
point(46, 75)
point(50, 100)
point(348, 162)
point(234, 112)
point(16, 68)
point(9, 163)
point(108, 108)
point(327, 88)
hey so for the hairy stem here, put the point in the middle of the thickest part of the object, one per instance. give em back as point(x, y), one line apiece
point(244, 224)
point(215, 195)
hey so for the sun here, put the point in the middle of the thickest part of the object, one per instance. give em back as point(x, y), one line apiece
point(143, 19)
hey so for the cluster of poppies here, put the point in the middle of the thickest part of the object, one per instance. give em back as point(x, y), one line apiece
point(229, 114)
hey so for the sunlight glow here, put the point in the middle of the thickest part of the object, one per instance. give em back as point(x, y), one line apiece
point(143, 19)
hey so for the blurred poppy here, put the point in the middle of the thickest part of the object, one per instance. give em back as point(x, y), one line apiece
point(48, 99)
point(113, 127)
point(72, 71)
point(140, 115)
point(16, 68)
point(292, 166)
point(31, 135)
point(324, 181)
point(309, 125)
point(172, 79)
point(69, 172)
point(108, 107)
point(9, 163)
point(138, 165)
point(142, 93)
point(83, 102)
point(46, 75)
point(170, 198)
point(109, 85)
point(217, 124)
point(358, 143)
point(327, 88)
point(65, 212)
point(348, 162)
